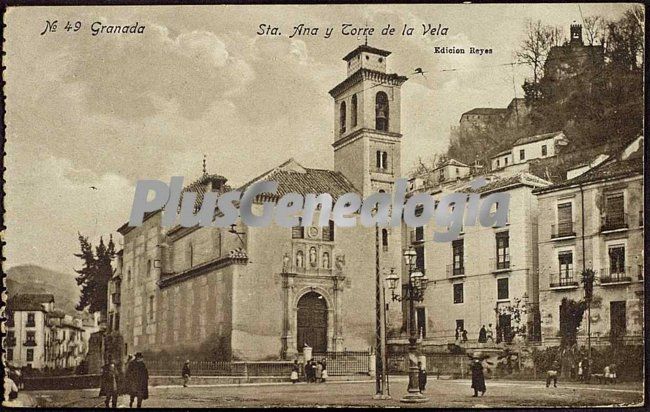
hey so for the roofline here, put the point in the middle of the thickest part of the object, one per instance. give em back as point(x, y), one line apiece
point(563, 186)
point(365, 47)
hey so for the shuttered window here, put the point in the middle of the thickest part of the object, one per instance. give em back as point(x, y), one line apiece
point(564, 219)
point(614, 210)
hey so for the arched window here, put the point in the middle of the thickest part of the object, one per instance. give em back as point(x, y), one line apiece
point(384, 239)
point(128, 275)
point(342, 117)
point(381, 111)
point(353, 111)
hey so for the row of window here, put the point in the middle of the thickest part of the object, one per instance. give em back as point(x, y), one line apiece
point(503, 290)
point(29, 355)
point(381, 112)
point(502, 253)
point(522, 156)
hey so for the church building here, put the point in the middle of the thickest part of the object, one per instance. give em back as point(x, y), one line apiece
point(259, 293)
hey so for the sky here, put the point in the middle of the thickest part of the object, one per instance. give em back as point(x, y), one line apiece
point(87, 116)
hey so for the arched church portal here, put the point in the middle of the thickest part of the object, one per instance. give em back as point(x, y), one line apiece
point(312, 322)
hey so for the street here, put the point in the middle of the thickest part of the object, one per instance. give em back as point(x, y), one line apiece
point(441, 393)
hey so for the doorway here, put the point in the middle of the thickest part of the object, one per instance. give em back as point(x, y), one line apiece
point(312, 322)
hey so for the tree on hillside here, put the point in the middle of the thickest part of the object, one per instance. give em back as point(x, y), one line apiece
point(595, 28)
point(535, 48)
point(95, 274)
point(624, 43)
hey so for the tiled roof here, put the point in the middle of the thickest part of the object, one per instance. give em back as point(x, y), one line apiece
point(293, 178)
point(451, 162)
point(536, 138)
point(487, 111)
point(608, 170)
point(366, 48)
point(519, 179)
point(31, 302)
point(200, 187)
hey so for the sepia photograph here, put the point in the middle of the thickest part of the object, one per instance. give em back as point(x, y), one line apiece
point(310, 205)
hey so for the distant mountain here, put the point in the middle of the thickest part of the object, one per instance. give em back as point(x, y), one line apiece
point(37, 279)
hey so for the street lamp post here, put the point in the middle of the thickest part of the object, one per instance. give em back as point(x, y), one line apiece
point(414, 293)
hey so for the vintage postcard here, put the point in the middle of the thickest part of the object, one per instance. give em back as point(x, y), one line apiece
point(374, 205)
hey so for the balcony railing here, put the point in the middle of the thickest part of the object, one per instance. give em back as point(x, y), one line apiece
point(502, 263)
point(29, 342)
point(455, 271)
point(614, 222)
point(10, 342)
point(562, 229)
point(417, 237)
point(564, 280)
point(30, 324)
point(615, 275)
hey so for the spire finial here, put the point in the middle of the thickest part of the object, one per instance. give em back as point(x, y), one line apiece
point(205, 172)
point(366, 33)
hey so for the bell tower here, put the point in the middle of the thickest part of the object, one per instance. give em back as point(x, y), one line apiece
point(367, 130)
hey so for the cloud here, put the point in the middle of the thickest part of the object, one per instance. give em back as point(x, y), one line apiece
point(46, 208)
point(131, 77)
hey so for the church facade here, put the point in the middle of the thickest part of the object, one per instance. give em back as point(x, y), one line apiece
point(259, 293)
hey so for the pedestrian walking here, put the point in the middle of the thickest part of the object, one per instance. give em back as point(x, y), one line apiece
point(482, 335)
point(108, 384)
point(488, 333)
point(138, 380)
point(457, 333)
point(318, 372)
point(295, 368)
point(464, 335)
point(478, 378)
point(324, 375)
point(309, 371)
point(186, 373)
point(581, 371)
point(422, 377)
point(552, 373)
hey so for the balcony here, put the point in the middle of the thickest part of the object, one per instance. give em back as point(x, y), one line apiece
point(10, 342)
point(416, 237)
point(564, 280)
point(30, 324)
point(455, 272)
point(563, 230)
point(615, 276)
point(30, 342)
point(611, 222)
point(501, 264)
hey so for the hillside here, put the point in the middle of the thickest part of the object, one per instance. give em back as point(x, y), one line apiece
point(37, 279)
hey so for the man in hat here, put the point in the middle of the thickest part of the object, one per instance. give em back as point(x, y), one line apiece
point(138, 378)
point(108, 384)
point(186, 373)
point(478, 378)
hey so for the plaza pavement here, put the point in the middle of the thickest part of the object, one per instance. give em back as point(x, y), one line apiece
point(441, 393)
